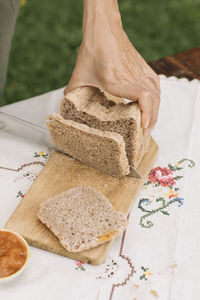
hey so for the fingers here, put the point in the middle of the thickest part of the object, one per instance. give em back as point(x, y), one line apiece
point(155, 105)
point(149, 103)
point(146, 106)
point(148, 100)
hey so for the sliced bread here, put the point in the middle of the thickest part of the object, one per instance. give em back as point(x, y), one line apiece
point(90, 106)
point(103, 150)
point(82, 218)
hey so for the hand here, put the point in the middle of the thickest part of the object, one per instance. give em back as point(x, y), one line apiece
point(107, 59)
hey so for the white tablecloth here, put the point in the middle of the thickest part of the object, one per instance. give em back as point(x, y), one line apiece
point(158, 257)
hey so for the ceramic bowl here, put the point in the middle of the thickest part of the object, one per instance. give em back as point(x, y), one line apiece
point(16, 274)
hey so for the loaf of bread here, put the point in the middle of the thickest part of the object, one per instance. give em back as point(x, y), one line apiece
point(90, 106)
point(82, 218)
point(103, 150)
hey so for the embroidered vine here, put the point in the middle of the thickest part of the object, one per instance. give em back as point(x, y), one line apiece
point(165, 179)
point(80, 265)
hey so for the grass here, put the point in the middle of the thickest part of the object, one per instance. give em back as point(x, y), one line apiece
point(48, 34)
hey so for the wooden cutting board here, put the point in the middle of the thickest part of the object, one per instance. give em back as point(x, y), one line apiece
point(61, 173)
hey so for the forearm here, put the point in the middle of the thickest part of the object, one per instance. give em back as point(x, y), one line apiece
point(108, 60)
point(100, 16)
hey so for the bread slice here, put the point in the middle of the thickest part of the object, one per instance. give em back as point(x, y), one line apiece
point(90, 106)
point(82, 218)
point(102, 150)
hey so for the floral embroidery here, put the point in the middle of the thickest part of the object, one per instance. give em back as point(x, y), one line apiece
point(161, 209)
point(165, 176)
point(146, 201)
point(171, 194)
point(40, 154)
point(79, 265)
point(162, 176)
point(20, 195)
point(146, 273)
point(166, 179)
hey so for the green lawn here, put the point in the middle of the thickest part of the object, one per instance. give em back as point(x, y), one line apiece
point(48, 34)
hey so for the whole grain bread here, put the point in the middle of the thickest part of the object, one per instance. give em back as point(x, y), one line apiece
point(103, 150)
point(96, 109)
point(90, 106)
point(82, 218)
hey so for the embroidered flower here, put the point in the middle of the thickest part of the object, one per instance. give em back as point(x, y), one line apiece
point(180, 200)
point(146, 273)
point(40, 154)
point(162, 180)
point(20, 195)
point(79, 265)
point(163, 176)
point(171, 194)
point(147, 201)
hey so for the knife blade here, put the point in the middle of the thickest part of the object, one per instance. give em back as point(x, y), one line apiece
point(37, 134)
point(134, 173)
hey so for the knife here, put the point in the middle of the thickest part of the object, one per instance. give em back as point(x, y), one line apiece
point(37, 134)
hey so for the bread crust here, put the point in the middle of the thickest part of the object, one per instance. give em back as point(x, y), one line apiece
point(103, 150)
point(82, 218)
point(90, 106)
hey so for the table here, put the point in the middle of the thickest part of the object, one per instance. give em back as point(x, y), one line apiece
point(158, 255)
point(185, 64)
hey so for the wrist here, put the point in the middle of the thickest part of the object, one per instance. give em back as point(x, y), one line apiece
point(99, 14)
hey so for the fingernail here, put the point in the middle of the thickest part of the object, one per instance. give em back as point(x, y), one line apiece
point(146, 124)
